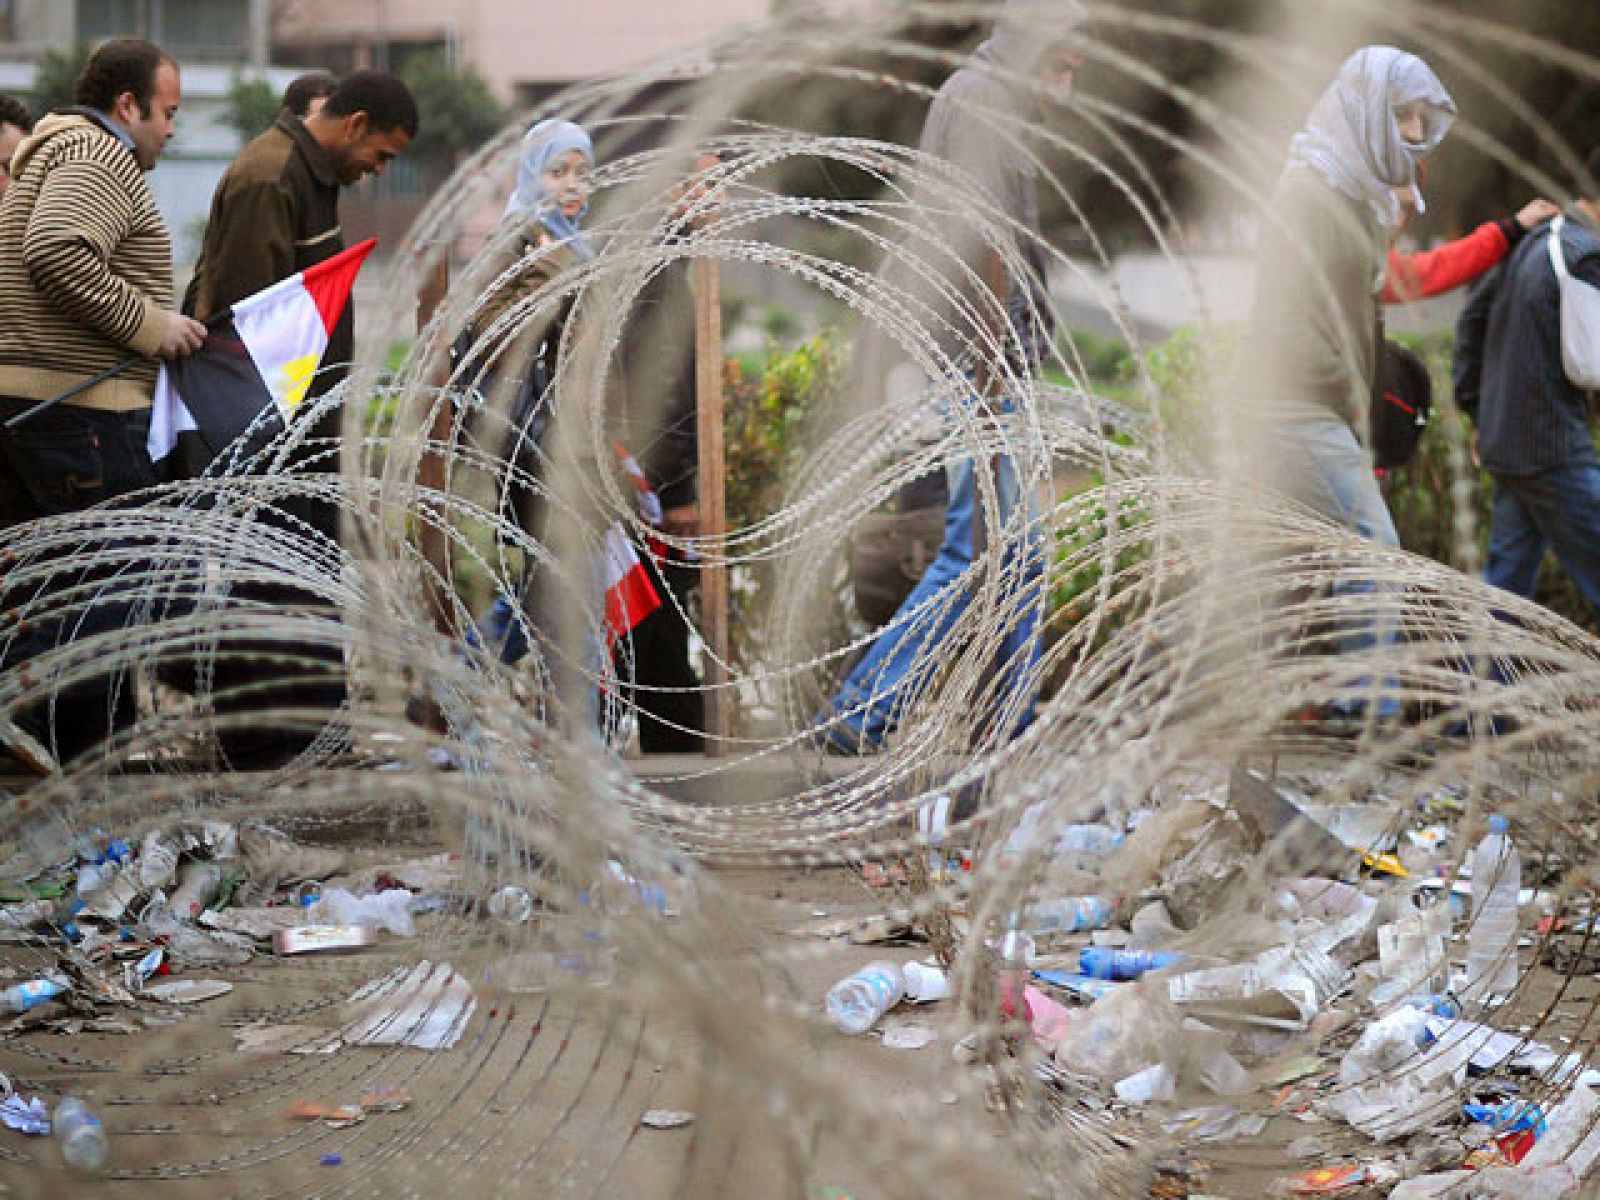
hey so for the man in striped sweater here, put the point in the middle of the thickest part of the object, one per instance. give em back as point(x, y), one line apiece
point(85, 284)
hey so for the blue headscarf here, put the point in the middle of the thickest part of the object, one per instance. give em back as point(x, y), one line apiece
point(546, 142)
point(1352, 138)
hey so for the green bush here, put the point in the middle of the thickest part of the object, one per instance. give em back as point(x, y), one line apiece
point(252, 106)
point(1104, 360)
point(769, 409)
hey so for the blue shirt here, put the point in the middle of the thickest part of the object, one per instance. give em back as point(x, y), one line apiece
point(109, 124)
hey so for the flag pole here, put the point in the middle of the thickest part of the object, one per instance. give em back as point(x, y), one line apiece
point(111, 372)
point(713, 502)
point(76, 389)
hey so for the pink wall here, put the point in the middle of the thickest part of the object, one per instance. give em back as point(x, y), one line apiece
point(513, 41)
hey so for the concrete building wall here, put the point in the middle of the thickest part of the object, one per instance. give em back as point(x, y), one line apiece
point(517, 42)
point(205, 143)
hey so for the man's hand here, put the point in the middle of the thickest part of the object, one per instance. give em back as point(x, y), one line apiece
point(183, 336)
point(1472, 449)
point(1536, 212)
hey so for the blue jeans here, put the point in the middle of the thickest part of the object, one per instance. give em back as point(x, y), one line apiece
point(1559, 510)
point(504, 629)
point(1326, 469)
point(882, 687)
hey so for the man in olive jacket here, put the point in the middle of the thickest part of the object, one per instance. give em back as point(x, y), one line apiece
point(276, 213)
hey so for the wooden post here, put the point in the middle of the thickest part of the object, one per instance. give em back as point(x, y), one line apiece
point(433, 466)
point(713, 501)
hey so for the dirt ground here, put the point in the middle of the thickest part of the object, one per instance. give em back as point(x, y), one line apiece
point(544, 1095)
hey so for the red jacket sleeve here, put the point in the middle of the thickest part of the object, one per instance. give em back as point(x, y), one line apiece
point(1417, 276)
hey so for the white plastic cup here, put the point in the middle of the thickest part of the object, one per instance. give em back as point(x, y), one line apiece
point(925, 983)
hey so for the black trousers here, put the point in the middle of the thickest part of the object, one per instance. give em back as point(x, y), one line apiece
point(65, 460)
point(671, 720)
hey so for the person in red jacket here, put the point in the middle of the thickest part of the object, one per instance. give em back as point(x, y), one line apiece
point(1433, 272)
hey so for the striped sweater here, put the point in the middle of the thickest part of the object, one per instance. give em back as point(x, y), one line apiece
point(85, 268)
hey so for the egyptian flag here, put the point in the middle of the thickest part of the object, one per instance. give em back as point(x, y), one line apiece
point(630, 596)
point(253, 371)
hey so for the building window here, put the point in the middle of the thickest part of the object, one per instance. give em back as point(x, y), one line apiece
point(203, 28)
point(102, 19)
point(186, 29)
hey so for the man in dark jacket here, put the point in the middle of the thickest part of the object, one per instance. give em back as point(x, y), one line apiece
point(1532, 422)
point(276, 213)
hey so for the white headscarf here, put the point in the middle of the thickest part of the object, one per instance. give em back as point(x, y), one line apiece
point(1352, 139)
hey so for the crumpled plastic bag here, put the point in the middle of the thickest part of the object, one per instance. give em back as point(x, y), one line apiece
point(389, 910)
point(31, 1117)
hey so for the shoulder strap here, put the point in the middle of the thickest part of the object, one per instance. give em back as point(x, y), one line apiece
point(1558, 260)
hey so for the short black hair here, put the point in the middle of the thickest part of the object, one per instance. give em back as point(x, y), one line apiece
point(12, 112)
point(387, 102)
point(124, 64)
point(297, 97)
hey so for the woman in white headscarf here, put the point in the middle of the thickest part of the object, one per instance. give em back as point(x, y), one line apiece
point(1323, 260)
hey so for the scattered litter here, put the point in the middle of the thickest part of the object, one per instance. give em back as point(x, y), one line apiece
point(388, 910)
point(31, 1117)
point(188, 991)
point(257, 923)
point(386, 1098)
point(909, 1037)
point(316, 939)
point(925, 983)
point(335, 1116)
point(666, 1118)
point(1324, 1181)
point(426, 1006)
point(286, 1039)
point(1149, 1086)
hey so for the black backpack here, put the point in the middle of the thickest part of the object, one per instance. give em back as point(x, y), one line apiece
point(1402, 398)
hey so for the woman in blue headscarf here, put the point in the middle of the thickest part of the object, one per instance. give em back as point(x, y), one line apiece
point(513, 367)
point(553, 182)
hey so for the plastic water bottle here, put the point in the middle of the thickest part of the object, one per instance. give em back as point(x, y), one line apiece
point(1091, 841)
point(1072, 914)
point(512, 905)
point(158, 860)
point(20, 997)
point(1492, 939)
point(82, 1137)
point(198, 885)
point(855, 1003)
point(1102, 962)
point(1387, 1044)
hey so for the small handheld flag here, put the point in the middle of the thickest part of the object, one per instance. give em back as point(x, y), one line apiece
point(254, 369)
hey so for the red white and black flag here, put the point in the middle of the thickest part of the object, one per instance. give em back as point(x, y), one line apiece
point(254, 370)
